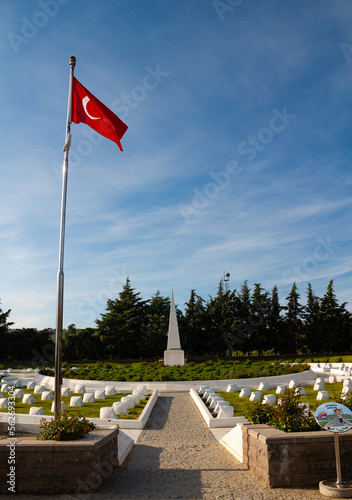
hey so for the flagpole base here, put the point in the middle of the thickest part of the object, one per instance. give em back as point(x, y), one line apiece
point(330, 488)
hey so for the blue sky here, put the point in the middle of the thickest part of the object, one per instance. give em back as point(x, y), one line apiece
point(237, 157)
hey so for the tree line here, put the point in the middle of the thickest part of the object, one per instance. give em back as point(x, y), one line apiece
point(245, 321)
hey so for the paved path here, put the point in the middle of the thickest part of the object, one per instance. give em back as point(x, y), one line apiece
point(177, 457)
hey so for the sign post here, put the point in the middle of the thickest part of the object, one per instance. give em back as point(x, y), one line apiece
point(336, 418)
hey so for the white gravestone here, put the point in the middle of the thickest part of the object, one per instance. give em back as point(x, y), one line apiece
point(128, 401)
point(220, 405)
point(143, 389)
point(255, 396)
point(28, 399)
point(36, 410)
point(120, 408)
point(107, 412)
point(202, 389)
point(301, 391)
point(214, 402)
point(245, 392)
point(280, 389)
point(110, 390)
point(346, 390)
point(39, 389)
point(264, 386)
point(269, 399)
point(99, 394)
point(76, 401)
point(232, 388)
point(80, 389)
point(89, 397)
point(225, 411)
point(47, 396)
point(63, 407)
point(323, 396)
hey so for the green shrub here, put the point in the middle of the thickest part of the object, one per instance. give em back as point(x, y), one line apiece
point(65, 428)
point(347, 401)
point(288, 415)
point(257, 413)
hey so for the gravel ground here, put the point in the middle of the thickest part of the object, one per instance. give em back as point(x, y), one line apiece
point(177, 456)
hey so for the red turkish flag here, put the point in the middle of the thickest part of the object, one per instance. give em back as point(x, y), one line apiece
point(86, 108)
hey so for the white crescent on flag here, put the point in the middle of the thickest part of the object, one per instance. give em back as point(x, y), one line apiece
point(85, 101)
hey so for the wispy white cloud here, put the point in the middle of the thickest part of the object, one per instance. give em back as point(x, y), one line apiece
point(125, 213)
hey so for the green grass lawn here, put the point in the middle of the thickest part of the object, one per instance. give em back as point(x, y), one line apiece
point(89, 410)
point(240, 404)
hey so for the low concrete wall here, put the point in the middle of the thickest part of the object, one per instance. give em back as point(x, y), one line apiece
point(304, 378)
point(57, 467)
point(233, 442)
point(294, 460)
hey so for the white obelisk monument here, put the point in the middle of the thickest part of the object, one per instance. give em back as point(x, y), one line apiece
point(173, 355)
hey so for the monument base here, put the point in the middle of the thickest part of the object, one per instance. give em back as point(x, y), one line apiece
point(174, 357)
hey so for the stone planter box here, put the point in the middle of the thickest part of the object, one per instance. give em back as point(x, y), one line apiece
point(58, 467)
point(30, 423)
point(294, 460)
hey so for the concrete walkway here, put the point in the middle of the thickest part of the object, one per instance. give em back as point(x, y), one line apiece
point(177, 456)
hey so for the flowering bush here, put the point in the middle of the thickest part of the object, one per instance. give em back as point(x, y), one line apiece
point(346, 401)
point(288, 415)
point(65, 428)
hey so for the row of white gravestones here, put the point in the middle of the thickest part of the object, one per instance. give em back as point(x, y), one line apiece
point(219, 407)
point(246, 392)
point(127, 402)
point(118, 408)
point(6, 373)
point(342, 367)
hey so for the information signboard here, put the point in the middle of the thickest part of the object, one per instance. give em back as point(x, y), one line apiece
point(334, 417)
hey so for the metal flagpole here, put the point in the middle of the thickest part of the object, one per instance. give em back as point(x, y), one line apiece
point(60, 274)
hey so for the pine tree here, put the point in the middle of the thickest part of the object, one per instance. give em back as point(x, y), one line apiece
point(193, 330)
point(156, 326)
point(275, 333)
point(311, 339)
point(242, 326)
point(336, 323)
point(220, 319)
point(293, 322)
point(82, 344)
point(260, 310)
point(4, 329)
point(122, 328)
